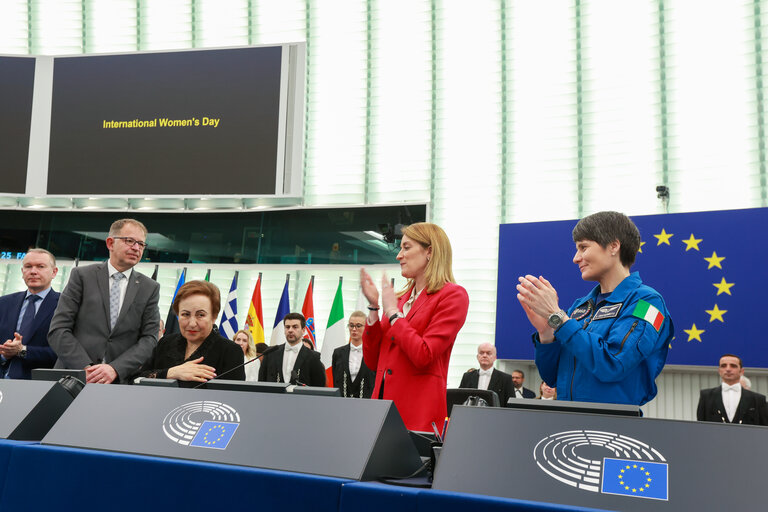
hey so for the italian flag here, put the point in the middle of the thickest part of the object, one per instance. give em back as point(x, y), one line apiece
point(649, 313)
point(335, 335)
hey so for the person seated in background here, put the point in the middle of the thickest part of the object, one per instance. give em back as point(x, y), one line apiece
point(518, 377)
point(197, 353)
point(350, 373)
point(245, 341)
point(546, 392)
point(730, 402)
point(487, 377)
point(292, 361)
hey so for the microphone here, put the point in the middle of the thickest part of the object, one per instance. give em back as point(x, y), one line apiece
point(295, 378)
point(269, 349)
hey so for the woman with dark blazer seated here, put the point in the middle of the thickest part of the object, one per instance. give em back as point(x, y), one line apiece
point(197, 353)
point(411, 345)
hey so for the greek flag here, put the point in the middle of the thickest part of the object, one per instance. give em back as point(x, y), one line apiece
point(228, 325)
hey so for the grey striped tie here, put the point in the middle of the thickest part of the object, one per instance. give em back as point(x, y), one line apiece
point(114, 299)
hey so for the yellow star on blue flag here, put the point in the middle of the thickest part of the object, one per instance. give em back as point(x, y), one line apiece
point(664, 237)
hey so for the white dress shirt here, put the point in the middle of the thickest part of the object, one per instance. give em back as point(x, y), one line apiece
point(289, 359)
point(355, 360)
point(484, 378)
point(123, 283)
point(731, 398)
point(251, 369)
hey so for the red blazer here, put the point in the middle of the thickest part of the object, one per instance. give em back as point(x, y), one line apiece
point(413, 354)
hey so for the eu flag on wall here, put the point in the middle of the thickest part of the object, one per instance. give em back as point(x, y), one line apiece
point(708, 267)
point(641, 479)
point(214, 434)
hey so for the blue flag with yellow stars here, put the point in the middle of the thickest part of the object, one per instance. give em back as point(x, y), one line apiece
point(214, 434)
point(708, 267)
point(636, 478)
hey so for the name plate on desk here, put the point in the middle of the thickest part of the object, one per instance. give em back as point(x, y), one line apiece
point(601, 461)
point(339, 437)
point(29, 408)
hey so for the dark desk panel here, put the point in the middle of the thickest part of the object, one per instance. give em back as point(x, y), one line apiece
point(337, 437)
point(601, 461)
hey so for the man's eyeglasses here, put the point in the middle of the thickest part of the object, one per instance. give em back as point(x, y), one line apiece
point(130, 242)
point(356, 326)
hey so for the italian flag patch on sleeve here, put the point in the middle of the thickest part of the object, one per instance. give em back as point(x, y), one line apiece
point(649, 313)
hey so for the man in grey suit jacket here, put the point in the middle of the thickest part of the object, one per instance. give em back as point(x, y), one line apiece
point(107, 319)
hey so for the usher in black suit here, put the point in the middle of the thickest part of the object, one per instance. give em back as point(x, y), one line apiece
point(362, 386)
point(308, 369)
point(500, 382)
point(752, 409)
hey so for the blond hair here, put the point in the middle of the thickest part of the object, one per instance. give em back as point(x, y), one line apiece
point(439, 267)
point(250, 352)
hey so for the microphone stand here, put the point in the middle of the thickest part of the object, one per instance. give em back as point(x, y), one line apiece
point(270, 349)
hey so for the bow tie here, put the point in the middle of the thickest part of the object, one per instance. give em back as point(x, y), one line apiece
point(486, 372)
point(356, 349)
point(733, 387)
point(295, 348)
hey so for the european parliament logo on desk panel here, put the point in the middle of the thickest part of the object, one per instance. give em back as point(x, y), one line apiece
point(636, 469)
point(203, 424)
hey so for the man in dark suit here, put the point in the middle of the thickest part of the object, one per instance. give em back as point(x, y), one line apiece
point(350, 374)
point(518, 377)
point(730, 402)
point(25, 317)
point(487, 377)
point(292, 361)
point(107, 319)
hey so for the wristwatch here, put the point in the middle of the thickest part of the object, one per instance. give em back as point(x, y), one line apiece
point(397, 316)
point(23, 352)
point(556, 319)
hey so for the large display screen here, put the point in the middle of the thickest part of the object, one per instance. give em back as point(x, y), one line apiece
point(17, 78)
point(187, 123)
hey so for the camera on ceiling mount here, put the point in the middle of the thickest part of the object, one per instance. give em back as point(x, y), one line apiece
point(390, 232)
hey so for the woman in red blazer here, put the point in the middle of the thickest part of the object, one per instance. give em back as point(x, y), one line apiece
point(410, 347)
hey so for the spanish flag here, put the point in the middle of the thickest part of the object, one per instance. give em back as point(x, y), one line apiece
point(255, 320)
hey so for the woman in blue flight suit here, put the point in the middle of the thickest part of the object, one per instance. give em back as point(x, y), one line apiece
point(611, 344)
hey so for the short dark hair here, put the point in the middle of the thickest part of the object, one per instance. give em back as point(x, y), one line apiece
point(117, 226)
point(295, 316)
point(261, 347)
point(741, 365)
point(205, 288)
point(607, 227)
point(521, 372)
